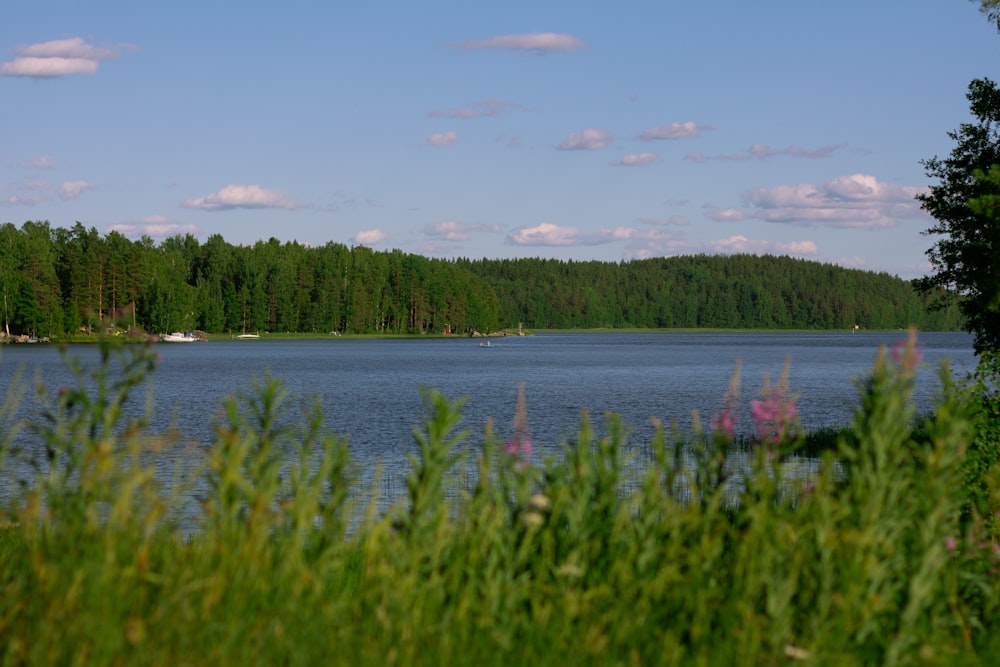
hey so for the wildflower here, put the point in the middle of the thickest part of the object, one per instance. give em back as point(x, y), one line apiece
point(725, 423)
point(951, 544)
point(520, 445)
point(570, 571)
point(518, 448)
point(906, 355)
point(797, 653)
point(775, 415)
point(532, 519)
point(539, 502)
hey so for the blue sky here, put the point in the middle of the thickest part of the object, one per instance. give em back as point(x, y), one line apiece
point(573, 130)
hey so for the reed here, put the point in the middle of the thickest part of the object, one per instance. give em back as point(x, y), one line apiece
point(598, 554)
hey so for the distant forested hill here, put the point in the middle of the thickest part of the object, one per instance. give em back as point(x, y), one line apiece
point(56, 281)
point(731, 291)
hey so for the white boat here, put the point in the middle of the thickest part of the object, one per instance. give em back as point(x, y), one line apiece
point(248, 336)
point(178, 337)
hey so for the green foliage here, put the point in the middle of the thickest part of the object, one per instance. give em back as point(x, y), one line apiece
point(272, 476)
point(438, 452)
point(738, 291)
point(964, 204)
point(86, 438)
point(695, 550)
point(982, 463)
point(58, 281)
point(991, 8)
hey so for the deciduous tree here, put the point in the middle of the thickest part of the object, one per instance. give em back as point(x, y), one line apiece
point(964, 258)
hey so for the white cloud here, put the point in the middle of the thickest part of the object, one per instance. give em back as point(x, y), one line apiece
point(857, 201)
point(371, 237)
point(739, 244)
point(674, 220)
point(241, 196)
point(664, 244)
point(74, 47)
point(763, 152)
point(849, 261)
point(685, 130)
point(59, 58)
point(538, 42)
point(659, 243)
point(485, 108)
point(590, 139)
point(154, 226)
point(797, 247)
point(547, 234)
point(73, 189)
point(636, 160)
point(40, 162)
point(725, 214)
point(48, 67)
point(442, 138)
point(629, 234)
point(20, 200)
point(451, 230)
point(654, 241)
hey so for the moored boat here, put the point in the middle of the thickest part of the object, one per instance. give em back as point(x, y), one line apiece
point(178, 337)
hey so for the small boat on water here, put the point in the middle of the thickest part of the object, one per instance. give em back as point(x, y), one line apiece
point(178, 337)
point(247, 336)
point(486, 343)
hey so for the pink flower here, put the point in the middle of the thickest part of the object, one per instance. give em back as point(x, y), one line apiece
point(725, 423)
point(951, 544)
point(774, 414)
point(906, 355)
point(520, 445)
point(518, 448)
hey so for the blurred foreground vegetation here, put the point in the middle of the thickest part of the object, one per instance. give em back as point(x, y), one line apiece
point(884, 554)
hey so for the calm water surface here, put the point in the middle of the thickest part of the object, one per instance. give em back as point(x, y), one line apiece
point(370, 389)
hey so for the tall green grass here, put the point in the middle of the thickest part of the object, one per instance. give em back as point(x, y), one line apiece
point(600, 555)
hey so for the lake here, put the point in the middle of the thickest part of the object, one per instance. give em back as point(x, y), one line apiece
point(370, 389)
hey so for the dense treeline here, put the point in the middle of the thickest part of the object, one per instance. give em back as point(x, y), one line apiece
point(57, 281)
point(731, 291)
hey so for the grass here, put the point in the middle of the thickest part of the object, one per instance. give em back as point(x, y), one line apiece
point(592, 557)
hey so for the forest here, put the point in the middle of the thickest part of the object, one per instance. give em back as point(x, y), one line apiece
point(58, 282)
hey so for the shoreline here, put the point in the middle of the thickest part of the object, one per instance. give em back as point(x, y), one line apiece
point(291, 336)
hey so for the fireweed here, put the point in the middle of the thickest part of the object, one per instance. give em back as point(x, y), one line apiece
point(519, 446)
point(774, 412)
point(724, 422)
